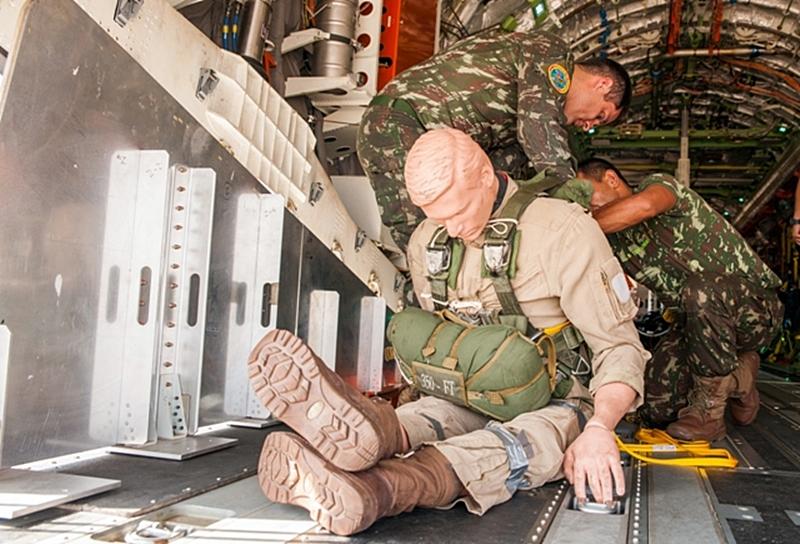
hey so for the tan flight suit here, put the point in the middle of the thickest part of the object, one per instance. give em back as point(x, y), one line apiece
point(565, 270)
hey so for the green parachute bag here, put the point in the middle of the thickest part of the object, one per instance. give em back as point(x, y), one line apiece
point(492, 369)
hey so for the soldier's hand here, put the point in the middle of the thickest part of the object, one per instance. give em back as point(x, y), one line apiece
point(796, 234)
point(594, 459)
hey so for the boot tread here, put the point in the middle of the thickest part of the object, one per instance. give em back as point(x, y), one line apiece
point(285, 375)
point(291, 472)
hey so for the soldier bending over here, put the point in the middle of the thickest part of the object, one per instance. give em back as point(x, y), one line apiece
point(514, 94)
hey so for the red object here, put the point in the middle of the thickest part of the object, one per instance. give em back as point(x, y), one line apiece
point(716, 26)
point(675, 12)
point(390, 40)
point(408, 36)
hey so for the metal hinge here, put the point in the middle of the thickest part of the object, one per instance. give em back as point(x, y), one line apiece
point(361, 237)
point(125, 10)
point(206, 84)
point(315, 192)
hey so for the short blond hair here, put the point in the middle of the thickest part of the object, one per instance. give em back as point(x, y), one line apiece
point(437, 160)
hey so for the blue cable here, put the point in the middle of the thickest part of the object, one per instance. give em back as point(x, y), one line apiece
point(603, 39)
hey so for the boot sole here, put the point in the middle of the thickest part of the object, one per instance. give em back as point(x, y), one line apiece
point(291, 472)
point(290, 385)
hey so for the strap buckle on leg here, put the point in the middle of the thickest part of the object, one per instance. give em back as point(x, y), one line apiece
point(518, 449)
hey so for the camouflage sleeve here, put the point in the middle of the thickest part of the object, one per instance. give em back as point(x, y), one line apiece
point(672, 185)
point(541, 124)
point(575, 190)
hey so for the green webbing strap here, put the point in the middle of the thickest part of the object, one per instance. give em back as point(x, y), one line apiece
point(448, 275)
point(505, 294)
point(456, 258)
point(572, 337)
point(519, 201)
point(503, 232)
point(542, 182)
point(438, 280)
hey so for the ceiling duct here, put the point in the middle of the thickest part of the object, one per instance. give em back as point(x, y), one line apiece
point(785, 166)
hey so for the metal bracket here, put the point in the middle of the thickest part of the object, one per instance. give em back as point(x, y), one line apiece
point(171, 413)
point(302, 38)
point(315, 192)
point(794, 516)
point(125, 10)
point(361, 238)
point(296, 86)
point(736, 512)
point(206, 84)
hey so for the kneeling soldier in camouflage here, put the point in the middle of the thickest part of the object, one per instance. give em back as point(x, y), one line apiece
point(675, 244)
point(541, 258)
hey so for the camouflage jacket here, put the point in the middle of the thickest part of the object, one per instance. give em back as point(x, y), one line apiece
point(689, 238)
point(497, 87)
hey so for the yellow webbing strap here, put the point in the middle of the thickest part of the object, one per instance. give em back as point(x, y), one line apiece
point(698, 453)
point(555, 329)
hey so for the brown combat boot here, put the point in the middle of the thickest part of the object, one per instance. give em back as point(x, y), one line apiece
point(350, 430)
point(290, 471)
point(745, 399)
point(704, 417)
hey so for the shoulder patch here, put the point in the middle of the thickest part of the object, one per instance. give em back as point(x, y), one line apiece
point(559, 78)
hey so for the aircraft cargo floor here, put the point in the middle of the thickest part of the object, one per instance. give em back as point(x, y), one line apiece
point(217, 498)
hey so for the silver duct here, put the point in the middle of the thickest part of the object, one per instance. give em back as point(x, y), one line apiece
point(334, 57)
point(256, 13)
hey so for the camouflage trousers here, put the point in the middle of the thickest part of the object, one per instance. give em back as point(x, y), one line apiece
point(723, 316)
point(384, 139)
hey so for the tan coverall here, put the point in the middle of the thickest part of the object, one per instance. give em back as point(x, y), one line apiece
point(565, 270)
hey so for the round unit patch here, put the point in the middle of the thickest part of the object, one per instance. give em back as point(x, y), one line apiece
point(559, 78)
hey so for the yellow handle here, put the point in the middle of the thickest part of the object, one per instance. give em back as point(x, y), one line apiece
point(698, 452)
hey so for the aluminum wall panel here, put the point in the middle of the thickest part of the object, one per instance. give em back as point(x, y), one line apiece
point(67, 111)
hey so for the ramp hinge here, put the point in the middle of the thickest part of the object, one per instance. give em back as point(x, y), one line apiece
point(125, 10)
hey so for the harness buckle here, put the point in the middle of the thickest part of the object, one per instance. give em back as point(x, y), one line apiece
point(437, 259)
point(497, 256)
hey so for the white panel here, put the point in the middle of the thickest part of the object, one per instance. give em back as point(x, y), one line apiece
point(370, 343)
point(123, 385)
point(256, 269)
point(323, 320)
point(25, 491)
point(5, 356)
point(261, 128)
point(359, 198)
